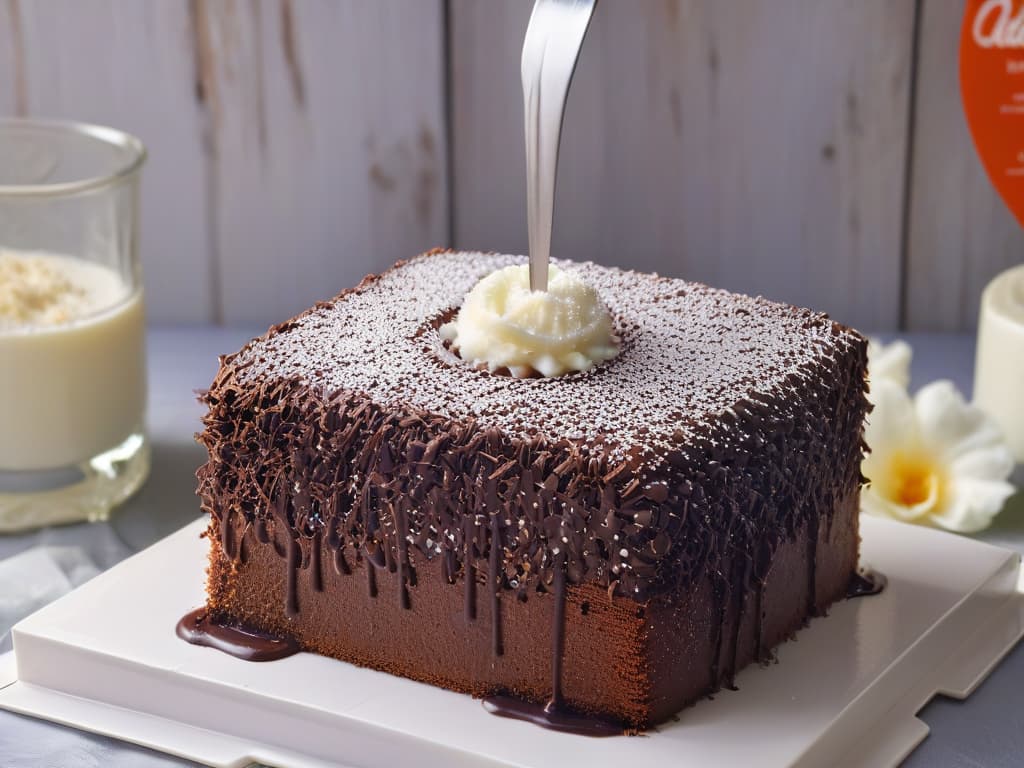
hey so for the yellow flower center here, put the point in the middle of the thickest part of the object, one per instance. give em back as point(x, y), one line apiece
point(916, 485)
point(912, 480)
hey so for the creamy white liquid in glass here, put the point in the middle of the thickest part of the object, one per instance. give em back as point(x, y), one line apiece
point(73, 380)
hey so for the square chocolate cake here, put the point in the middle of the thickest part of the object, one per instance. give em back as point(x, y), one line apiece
point(614, 544)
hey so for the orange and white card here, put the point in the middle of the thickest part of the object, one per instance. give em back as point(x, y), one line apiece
point(992, 87)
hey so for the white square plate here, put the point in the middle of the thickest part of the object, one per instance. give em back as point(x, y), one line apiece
point(105, 658)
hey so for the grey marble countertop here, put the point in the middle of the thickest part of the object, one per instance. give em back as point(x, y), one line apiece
point(985, 730)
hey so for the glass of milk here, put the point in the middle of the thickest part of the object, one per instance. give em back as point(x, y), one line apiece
point(72, 355)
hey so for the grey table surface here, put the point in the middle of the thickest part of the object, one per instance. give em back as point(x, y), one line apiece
point(985, 730)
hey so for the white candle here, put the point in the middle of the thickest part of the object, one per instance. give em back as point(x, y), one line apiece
point(999, 368)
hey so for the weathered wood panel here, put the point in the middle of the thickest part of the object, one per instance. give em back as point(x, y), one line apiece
point(294, 146)
point(128, 65)
point(325, 144)
point(756, 146)
point(960, 232)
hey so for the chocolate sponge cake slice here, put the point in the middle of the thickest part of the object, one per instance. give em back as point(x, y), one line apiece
point(615, 543)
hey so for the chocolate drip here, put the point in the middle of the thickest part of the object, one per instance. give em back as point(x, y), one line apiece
point(199, 628)
point(371, 578)
point(279, 512)
point(261, 531)
point(448, 564)
point(555, 715)
point(243, 546)
point(557, 636)
point(812, 566)
point(334, 537)
point(389, 556)
point(341, 566)
point(226, 532)
point(494, 585)
point(719, 610)
point(375, 555)
point(291, 608)
point(469, 577)
point(740, 590)
point(315, 562)
point(759, 621)
point(865, 584)
point(403, 556)
point(279, 548)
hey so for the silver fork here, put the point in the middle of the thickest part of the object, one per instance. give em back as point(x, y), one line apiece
point(554, 37)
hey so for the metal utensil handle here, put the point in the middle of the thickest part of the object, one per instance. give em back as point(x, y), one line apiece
point(551, 49)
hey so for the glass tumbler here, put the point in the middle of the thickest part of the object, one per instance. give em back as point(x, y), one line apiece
point(72, 344)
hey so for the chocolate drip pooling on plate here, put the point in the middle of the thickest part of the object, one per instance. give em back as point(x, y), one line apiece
point(199, 628)
point(865, 584)
point(313, 448)
point(555, 714)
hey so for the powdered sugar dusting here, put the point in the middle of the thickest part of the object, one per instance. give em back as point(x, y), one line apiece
point(689, 353)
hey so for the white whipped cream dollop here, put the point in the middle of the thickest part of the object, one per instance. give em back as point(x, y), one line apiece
point(503, 324)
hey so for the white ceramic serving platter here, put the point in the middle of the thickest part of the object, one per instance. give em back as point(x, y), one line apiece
point(105, 658)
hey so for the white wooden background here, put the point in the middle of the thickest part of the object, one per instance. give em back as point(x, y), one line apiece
point(811, 150)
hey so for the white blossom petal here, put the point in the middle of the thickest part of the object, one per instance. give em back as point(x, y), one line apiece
point(951, 425)
point(971, 505)
point(891, 425)
point(889, 362)
point(994, 462)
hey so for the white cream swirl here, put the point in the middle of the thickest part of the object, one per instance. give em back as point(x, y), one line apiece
point(503, 324)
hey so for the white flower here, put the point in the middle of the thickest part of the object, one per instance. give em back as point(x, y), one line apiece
point(889, 362)
point(935, 459)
